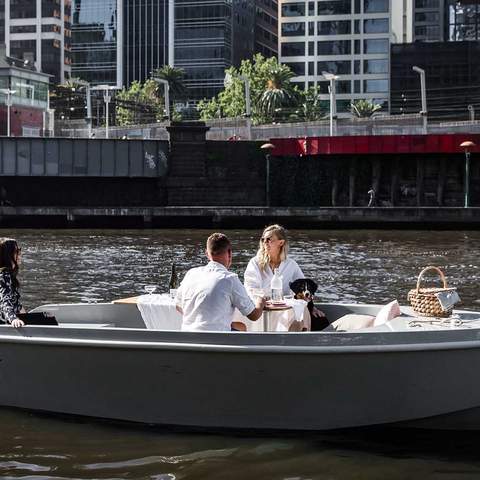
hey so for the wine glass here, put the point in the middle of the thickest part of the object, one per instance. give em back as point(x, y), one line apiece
point(150, 289)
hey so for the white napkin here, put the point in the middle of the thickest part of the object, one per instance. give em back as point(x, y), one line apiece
point(298, 307)
point(448, 299)
point(159, 312)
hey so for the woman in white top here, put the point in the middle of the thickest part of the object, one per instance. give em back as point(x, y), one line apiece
point(272, 254)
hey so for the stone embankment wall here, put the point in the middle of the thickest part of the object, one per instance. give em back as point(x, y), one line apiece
point(194, 172)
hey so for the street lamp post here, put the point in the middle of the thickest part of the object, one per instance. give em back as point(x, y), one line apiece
point(467, 146)
point(471, 110)
point(267, 148)
point(107, 97)
point(8, 93)
point(423, 88)
point(333, 99)
point(166, 87)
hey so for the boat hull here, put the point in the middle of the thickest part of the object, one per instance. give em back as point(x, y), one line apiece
point(243, 381)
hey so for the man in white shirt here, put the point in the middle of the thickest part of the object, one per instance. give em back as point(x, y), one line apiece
point(208, 296)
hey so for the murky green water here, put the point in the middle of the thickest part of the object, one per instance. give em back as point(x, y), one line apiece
point(363, 266)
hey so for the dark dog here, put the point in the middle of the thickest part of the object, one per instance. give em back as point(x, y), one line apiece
point(305, 289)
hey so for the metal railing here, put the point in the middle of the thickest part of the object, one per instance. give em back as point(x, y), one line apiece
point(241, 128)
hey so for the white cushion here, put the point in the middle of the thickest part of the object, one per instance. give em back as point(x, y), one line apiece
point(352, 321)
point(388, 312)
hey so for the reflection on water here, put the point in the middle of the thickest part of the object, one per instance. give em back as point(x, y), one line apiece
point(370, 266)
point(35, 446)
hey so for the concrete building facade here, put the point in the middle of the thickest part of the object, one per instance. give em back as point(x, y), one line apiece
point(349, 38)
point(39, 32)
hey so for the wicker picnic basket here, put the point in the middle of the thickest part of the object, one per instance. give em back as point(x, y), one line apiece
point(424, 301)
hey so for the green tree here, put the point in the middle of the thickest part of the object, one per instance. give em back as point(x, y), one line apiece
point(364, 108)
point(278, 94)
point(271, 92)
point(175, 78)
point(309, 106)
point(139, 104)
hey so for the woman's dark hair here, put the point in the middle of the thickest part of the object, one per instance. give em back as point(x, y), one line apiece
point(8, 257)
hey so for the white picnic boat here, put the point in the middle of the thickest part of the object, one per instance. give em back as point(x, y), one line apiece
point(101, 361)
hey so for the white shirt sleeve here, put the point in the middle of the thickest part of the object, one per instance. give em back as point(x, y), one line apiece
point(179, 294)
point(240, 298)
point(252, 276)
point(297, 273)
point(292, 272)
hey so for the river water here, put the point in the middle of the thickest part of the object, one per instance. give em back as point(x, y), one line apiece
point(362, 266)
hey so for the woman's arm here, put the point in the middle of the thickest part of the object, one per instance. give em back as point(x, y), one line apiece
point(8, 300)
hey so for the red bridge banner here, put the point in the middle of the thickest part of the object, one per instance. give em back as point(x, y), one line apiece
point(372, 145)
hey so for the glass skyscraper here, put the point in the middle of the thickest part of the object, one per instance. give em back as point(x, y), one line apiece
point(145, 38)
point(210, 36)
point(97, 41)
point(266, 27)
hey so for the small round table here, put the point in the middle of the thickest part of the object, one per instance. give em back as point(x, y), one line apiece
point(268, 309)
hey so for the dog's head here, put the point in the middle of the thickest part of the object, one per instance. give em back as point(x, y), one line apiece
point(304, 288)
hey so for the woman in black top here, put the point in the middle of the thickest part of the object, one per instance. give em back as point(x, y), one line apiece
point(10, 305)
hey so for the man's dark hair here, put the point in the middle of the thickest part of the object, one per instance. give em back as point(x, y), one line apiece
point(218, 243)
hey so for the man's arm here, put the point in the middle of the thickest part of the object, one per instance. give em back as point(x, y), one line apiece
point(258, 310)
point(243, 302)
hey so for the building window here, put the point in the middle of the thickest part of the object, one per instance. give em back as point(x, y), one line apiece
point(357, 47)
point(336, 27)
point(23, 9)
point(431, 17)
point(23, 29)
point(375, 66)
point(426, 4)
point(294, 29)
point(341, 67)
point(298, 68)
point(376, 6)
point(376, 25)
point(428, 32)
point(376, 45)
point(344, 86)
point(375, 86)
point(464, 20)
point(323, 87)
point(293, 49)
point(338, 47)
point(335, 7)
point(293, 10)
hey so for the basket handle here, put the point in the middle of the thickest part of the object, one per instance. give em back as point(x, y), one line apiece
point(442, 276)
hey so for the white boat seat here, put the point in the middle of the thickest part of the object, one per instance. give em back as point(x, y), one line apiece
point(351, 321)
